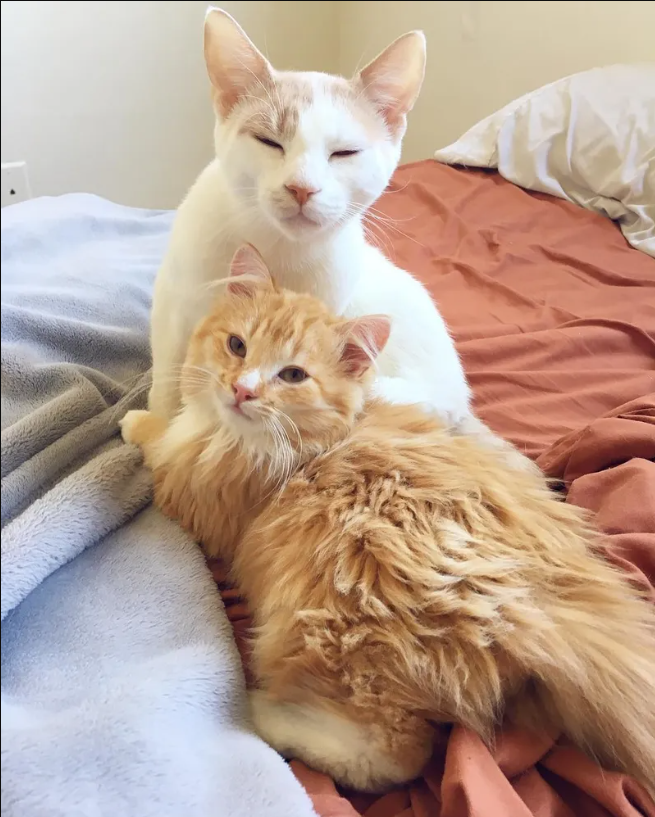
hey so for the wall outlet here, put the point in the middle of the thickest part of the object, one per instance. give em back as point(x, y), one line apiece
point(15, 183)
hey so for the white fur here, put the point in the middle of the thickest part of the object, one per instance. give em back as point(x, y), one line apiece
point(251, 380)
point(326, 742)
point(241, 197)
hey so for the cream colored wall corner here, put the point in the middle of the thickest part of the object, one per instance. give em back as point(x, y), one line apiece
point(112, 98)
point(481, 55)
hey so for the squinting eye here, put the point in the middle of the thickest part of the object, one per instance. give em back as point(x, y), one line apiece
point(339, 154)
point(269, 143)
point(237, 346)
point(293, 374)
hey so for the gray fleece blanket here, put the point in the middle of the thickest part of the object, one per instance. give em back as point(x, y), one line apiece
point(122, 689)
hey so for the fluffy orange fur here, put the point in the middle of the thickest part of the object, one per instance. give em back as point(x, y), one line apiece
point(398, 576)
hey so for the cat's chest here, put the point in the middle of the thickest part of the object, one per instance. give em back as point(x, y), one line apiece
point(224, 503)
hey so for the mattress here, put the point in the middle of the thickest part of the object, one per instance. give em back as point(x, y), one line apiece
point(554, 317)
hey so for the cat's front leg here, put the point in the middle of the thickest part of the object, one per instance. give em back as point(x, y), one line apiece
point(168, 358)
point(171, 324)
point(142, 428)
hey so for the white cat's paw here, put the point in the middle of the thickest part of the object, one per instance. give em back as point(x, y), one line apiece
point(130, 422)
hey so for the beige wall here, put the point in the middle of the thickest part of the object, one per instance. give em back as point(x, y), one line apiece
point(484, 54)
point(112, 97)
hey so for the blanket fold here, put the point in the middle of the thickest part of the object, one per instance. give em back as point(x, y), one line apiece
point(122, 689)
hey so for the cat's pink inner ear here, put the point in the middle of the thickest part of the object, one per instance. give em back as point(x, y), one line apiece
point(394, 78)
point(248, 272)
point(234, 64)
point(365, 338)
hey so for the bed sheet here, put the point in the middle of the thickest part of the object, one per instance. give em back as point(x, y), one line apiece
point(554, 316)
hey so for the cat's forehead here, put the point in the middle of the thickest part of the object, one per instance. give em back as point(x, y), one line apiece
point(310, 105)
point(289, 324)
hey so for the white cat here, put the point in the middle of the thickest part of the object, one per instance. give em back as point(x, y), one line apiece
point(299, 159)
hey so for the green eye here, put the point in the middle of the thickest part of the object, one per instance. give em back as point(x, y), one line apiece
point(293, 374)
point(236, 346)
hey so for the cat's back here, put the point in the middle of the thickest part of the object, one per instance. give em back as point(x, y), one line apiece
point(419, 336)
point(386, 493)
point(394, 529)
point(405, 452)
point(401, 486)
point(335, 536)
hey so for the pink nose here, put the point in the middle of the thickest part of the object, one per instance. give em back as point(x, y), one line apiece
point(242, 393)
point(301, 193)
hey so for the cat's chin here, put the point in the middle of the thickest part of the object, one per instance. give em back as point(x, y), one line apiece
point(239, 422)
point(300, 227)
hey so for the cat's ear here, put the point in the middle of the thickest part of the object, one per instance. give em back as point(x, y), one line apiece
point(233, 63)
point(248, 272)
point(394, 78)
point(365, 338)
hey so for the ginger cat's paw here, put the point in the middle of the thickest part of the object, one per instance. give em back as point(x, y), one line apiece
point(129, 425)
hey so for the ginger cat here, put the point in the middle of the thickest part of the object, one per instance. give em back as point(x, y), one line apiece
point(398, 575)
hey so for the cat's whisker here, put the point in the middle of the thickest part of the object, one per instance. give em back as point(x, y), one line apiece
point(391, 190)
point(279, 414)
point(380, 224)
point(382, 220)
point(285, 456)
point(296, 430)
point(191, 367)
point(375, 213)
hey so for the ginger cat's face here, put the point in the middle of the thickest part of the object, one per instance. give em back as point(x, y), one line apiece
point(276, 367)
point(305, 152)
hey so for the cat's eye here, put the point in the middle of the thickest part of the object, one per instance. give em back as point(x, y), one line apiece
point(293, 374)
point(236, 346)
point(342, 154)
point(269, 143)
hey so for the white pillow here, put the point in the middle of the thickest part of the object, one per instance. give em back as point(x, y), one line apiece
point(588, 138)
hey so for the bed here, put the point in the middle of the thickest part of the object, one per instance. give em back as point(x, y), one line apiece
point(114, 638)
point(554, 315)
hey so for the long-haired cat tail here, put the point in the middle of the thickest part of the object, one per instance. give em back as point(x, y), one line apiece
point(398, 575)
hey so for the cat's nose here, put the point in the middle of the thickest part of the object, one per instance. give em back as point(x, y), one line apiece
point(242, 393)
point(301, 192)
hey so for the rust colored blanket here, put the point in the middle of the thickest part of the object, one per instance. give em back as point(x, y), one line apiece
point(554, 316)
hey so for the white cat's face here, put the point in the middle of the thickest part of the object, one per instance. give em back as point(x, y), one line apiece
point(311, 158)
point(305, 152)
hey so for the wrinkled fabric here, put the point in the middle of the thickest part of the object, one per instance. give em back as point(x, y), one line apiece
point(122, 690)
point(554, 316)
point(588, 138)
